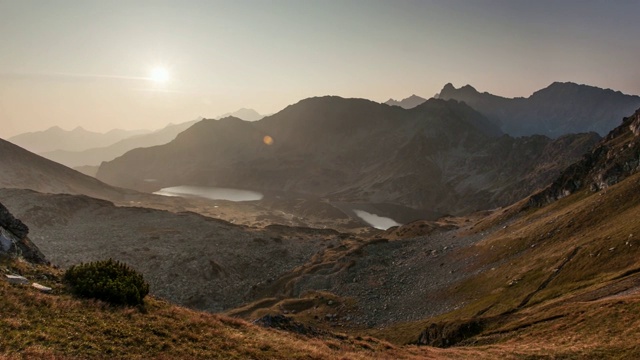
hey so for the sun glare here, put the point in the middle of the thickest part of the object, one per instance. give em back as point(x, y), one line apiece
point(159, 75)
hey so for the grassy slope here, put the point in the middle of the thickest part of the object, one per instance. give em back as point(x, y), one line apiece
point(562, 279)
point(58, 326)
point(559, 282)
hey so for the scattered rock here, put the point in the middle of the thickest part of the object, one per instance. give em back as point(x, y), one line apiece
point(44, 289)
point(17, 279)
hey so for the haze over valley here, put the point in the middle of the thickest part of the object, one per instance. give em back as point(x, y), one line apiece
point(197, 180)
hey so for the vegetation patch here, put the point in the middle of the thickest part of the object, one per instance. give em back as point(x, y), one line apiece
point(107, 280)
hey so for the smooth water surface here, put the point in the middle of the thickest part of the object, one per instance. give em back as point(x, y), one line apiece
point(213, 193)
point(376, 221)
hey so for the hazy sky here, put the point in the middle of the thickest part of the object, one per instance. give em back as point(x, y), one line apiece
point(87, 63)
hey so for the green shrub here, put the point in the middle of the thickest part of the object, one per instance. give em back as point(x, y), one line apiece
point(107, 280)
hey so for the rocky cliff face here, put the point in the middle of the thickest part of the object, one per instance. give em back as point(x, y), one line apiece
point(559, 109)
point(13, 238)
point(615, 157)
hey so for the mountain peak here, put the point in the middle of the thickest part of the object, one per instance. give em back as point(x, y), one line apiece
point(244, 114)
point(407, 103)
point(448, 87)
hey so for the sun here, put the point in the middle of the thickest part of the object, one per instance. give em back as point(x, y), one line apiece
point(159, 75)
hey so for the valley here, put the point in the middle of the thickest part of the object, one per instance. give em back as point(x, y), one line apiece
point(447, 234)
point(319, 180)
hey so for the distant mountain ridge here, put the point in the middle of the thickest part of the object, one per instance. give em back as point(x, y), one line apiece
point(559, 109)
point(407, 103)
point(95, 156)
point(77, 139)
point(441, 155)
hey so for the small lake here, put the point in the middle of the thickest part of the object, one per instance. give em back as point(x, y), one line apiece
point(213, 193)
point(376, 221)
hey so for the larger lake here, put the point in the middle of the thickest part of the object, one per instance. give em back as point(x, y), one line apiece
point(213, 193)
point(376, 221)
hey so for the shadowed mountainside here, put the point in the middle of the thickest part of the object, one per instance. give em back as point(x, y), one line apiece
point(559, 109)
point(22, 169)
point(441, 156)
point(549, 279)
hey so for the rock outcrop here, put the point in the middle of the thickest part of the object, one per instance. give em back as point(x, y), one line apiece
point(13, 238)
point(613, 159)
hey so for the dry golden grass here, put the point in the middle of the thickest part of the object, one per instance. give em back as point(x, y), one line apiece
point(549, 278)
point(559, 282)
point(58, 326)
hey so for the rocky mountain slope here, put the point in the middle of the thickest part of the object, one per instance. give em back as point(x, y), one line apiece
point(559, 109)
point(187, 258)
point(560, 279)
point(77, 139)
point(407, 103)
point(547, 276)
point(441, 156)
point(614, 158)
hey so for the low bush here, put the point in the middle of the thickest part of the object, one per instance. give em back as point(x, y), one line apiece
point(107, 280)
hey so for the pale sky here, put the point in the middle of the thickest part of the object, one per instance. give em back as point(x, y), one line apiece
point(87, 63)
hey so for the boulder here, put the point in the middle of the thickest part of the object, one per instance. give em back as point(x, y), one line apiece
point(44, 289)
point(17, 279)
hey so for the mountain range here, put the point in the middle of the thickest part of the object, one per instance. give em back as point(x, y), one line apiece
point(559, 109)
point(95, 156)
point(86, 149)
point(77, 139)
point(554, 275)
point(407, 103)
point(439, 157)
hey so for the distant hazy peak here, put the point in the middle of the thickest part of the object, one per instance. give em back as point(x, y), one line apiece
point(407, 103)
point(53, 128)
point(244, 114)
